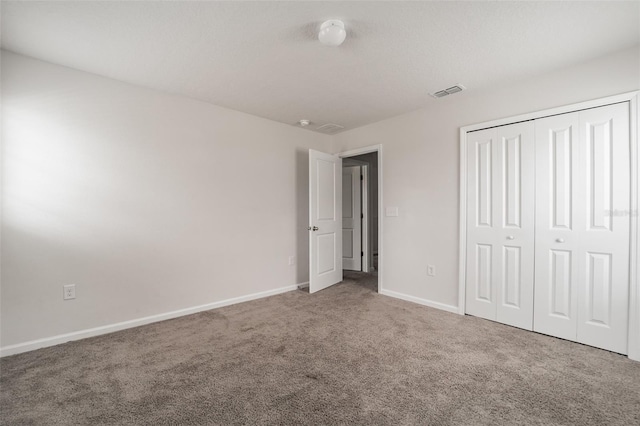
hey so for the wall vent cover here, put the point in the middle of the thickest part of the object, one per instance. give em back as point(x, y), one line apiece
point(449, 91)
point(329, 128)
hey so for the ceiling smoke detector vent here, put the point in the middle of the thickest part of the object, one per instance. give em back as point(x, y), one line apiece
point(449, 91)
point(329, 128)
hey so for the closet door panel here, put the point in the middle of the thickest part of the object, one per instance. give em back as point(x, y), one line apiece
point(604, 256)
point(582, 226)
point(516, 233)
point(548, 209)
point(556, 266)
point(482, 207)
point(500, 224)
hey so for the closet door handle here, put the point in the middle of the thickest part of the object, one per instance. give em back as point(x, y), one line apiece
point(510, 237)
point(559, 240)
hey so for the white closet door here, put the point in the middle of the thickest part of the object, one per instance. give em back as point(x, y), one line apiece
point(482, 235)
point(603, 274)
point(500, 224)
point(557, 209)
point(516, 148)
point(582, 226)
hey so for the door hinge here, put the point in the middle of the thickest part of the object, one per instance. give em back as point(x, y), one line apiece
point(361, 215)
point(361, 254)
point(361, 177)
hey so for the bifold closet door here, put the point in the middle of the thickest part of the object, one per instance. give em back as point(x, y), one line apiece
point(500, 224)
point(582, 226)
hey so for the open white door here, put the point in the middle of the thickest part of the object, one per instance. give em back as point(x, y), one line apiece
point(325, 220)
point(351, 219)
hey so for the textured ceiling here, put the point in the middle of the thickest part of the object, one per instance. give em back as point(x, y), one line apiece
point(263, 58)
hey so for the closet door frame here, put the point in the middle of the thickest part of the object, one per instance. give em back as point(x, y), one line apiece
point(634, 236)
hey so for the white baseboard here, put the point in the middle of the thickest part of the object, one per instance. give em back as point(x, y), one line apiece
point(425, 302)
point(105, 329)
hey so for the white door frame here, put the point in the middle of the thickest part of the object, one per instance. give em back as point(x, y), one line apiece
point(367, 247)
point(634, 255)
point(367, 150)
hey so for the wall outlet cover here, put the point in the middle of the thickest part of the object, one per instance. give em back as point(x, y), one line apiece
point(69, 292)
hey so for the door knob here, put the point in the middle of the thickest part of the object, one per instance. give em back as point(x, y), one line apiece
point(315, 228)
point(510, 237)
point(559, 240)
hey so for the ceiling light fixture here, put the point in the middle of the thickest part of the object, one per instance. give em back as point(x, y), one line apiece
point(332, 33)
point(304, 123)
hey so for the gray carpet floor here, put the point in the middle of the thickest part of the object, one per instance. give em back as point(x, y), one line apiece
point(346, 355)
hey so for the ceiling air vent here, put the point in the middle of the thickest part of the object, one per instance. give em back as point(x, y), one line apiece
point(449, 91)
point(329, 128)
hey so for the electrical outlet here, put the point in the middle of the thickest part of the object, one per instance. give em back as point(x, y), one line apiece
point(69, 291)
point(431, 270)
point(292, 260)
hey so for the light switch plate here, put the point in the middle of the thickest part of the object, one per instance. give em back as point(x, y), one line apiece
point(391, 212)
point(431, 270)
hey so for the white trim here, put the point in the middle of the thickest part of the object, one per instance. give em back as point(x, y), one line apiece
point(623, 97)
point(366, 222)
point(425, 302)
point(361, 151)
point(634, 283)
point(462, 263)
point(634, 279)
point(367, 150)
point(106, 329)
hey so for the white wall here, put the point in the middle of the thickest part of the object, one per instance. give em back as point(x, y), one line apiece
point(421, 165)
point(151, 203)
point(148, 202)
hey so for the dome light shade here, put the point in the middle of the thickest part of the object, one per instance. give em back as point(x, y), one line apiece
point(332, 33)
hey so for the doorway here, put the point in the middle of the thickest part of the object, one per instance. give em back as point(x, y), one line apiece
point(325, 218)
point(360, 220)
